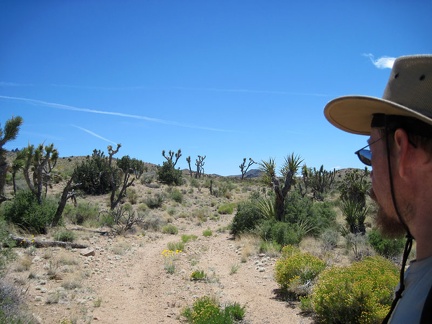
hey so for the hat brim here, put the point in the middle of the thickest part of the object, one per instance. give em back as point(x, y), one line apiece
point(354, 114)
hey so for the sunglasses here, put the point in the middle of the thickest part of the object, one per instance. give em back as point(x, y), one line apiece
point(365, 155)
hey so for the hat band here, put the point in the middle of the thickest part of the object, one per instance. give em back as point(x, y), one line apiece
point(409, 124)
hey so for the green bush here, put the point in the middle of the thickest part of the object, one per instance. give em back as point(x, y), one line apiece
point(248, 216)
point(208, 232)
point(155, 201)
point(315, 216)
point(176, 246)
point(386, 247)
point(198, 275)
point(176, 195)
point(83, 213)
point(186, 238)
point(226, 208)
point(170, 229)
point(359, 293)
point(6, 244)
point(64, 236)
point(25, 212)
point(280, 232)
point(206, 310)
point(94, 174)
point(169, 175)
point(297, 271)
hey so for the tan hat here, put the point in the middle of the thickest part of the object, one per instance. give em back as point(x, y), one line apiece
point(408, 93)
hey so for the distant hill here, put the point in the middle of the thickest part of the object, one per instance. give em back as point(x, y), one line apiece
point(251, 174)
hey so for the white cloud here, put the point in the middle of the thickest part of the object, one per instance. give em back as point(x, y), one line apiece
point(384, 62)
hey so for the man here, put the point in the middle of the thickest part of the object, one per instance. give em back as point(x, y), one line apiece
point(400, 153)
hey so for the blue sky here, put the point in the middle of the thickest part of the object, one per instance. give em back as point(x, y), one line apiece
point(224, 79)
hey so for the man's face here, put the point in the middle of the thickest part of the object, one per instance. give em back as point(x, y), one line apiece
point(386, 218)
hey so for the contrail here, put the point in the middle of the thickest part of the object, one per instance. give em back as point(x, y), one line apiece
point(101, 112)
point(94, 134)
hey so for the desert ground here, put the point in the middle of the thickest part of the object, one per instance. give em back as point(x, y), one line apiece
point(128, 278)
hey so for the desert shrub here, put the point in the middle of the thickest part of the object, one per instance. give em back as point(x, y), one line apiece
point(6, 244)
point(176, 246)
point(176, 195)
point(170, 229)
point(386, 247)
point(153, 222)
point(187, 238)
point(207, 310)
point(297, 272)
point(12, 305)
point(270, 248)
point(194, 183)
point(64, 236)
point(198, 275)
point(202, 214)
point(289, 250)
point(169, 175)
point(155, 201)
point(132, 196)
point(226, 208)
point(329, 239)
point(315, 216)
point(359, 293)
point(248, 216)
point(122, 218)
point(83, 213)
point(94, 174)
point(25, 212)
point(280, 232)
point(222, 189)
point(207, 232)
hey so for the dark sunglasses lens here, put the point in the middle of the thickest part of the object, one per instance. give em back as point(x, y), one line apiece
point(365, 156)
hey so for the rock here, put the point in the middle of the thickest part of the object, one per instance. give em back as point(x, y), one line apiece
point(88, 252)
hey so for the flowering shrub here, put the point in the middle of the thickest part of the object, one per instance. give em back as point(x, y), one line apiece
point(169, 257)
point(296, 271)
point(359, 293)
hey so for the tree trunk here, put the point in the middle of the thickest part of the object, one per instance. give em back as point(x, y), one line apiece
point(3, 169)
point(62, 203)
point(25, 242)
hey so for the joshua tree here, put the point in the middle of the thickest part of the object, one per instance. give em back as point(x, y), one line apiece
point(171, 155)
point(318, 180)
point(188, 160)
point(17, 165)
point(244, 168)
point(10, 132)
point(288, 171)
point(128, 171)
point(41, 161)
point(199, 166)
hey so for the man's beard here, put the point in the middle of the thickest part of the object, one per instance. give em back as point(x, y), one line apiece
point(389, 226)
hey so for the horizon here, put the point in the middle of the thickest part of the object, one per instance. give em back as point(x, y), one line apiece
point(228, 80)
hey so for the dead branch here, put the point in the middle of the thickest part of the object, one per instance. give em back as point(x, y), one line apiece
point(25, 242)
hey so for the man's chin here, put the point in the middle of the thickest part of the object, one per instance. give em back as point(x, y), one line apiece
point(389, 227)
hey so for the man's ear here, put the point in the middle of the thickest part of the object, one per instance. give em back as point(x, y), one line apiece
point(404, 152)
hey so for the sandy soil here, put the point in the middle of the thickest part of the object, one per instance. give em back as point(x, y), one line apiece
point(126, 280)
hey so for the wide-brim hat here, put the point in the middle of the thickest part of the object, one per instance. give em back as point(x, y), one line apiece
point(408, 93)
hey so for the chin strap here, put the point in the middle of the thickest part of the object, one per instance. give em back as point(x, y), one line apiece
point(409, 237)
point(398, 294)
